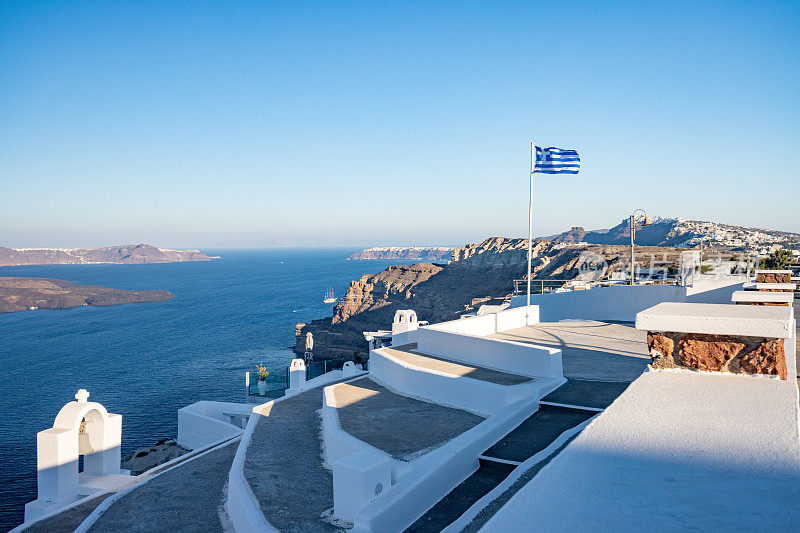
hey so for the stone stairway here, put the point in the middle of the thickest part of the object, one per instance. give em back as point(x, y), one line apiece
point(559, 412)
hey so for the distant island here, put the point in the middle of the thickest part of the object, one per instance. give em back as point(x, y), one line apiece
point(405, 253)
point(18, 294)
point(125, 254)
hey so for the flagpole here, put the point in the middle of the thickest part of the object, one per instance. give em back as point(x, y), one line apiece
point(530, 226)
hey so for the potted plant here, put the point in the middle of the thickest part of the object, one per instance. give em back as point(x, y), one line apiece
point(262, 379)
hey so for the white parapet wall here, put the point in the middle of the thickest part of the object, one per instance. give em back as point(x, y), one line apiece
point(763, 297)
point(466, 340)
point(622, 302)
point(460, 391)
point(783, 287)
point(360, 471)
point(206, 422)
point(505, 356)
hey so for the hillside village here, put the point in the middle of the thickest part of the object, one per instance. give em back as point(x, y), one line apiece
point(683, 233)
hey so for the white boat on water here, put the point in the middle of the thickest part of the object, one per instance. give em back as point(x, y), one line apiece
point(329, 297)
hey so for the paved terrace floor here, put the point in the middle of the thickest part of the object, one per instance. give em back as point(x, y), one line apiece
point(399, 425)
point(590, 349)
point(409, 354)
point(680, 450)
point(69, 520)
point(283, 464)
point(189, 497)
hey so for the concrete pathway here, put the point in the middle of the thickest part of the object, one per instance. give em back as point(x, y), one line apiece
point(69, 520)
point(189, 497)
point(537, 432)
point(587, 393)
point(283, 465)
point(409, 354)
point(590, 350)
point(399, 425)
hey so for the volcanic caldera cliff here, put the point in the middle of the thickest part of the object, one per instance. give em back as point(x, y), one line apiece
point(477, 274)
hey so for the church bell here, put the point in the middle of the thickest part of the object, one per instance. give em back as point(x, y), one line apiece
point(84, 445)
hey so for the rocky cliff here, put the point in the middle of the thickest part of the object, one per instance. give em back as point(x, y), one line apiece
point(378, 290)
point(477, 274)
point(405, 253)
point(126, 254)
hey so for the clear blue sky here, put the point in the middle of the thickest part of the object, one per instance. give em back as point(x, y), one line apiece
point(253, 124)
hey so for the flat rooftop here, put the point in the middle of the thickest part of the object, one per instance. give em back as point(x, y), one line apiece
point(590, 349)
point(411, 355)
point(401, 426)
point(678, 450)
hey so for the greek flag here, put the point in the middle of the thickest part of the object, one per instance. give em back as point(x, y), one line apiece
point(556, 161)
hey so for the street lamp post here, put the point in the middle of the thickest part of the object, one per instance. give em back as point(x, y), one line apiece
point(632, 224)
point(700, 260)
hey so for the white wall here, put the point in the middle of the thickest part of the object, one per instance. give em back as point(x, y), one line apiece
point(483, 325)
point(790, 350)
point(506, 356)
point(480, 397)
point(476, 325)
point(203, 423)
point(465, 340)
point(705, 291)
point(407, 337)
point(517, 318)
point(622, 302)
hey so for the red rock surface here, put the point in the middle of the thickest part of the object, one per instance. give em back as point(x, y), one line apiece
point(767, 357)
point(708, 352)
point(660, 343)
point(769, 277)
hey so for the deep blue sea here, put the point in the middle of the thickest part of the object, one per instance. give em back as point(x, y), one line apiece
point(145, 361)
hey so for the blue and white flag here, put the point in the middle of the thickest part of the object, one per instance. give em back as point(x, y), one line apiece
point(556, 161)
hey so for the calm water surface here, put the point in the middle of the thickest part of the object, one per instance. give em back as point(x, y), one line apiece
point(145, 361)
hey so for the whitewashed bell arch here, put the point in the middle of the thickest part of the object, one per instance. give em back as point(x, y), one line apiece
point(80, 428)
point(404, 320)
